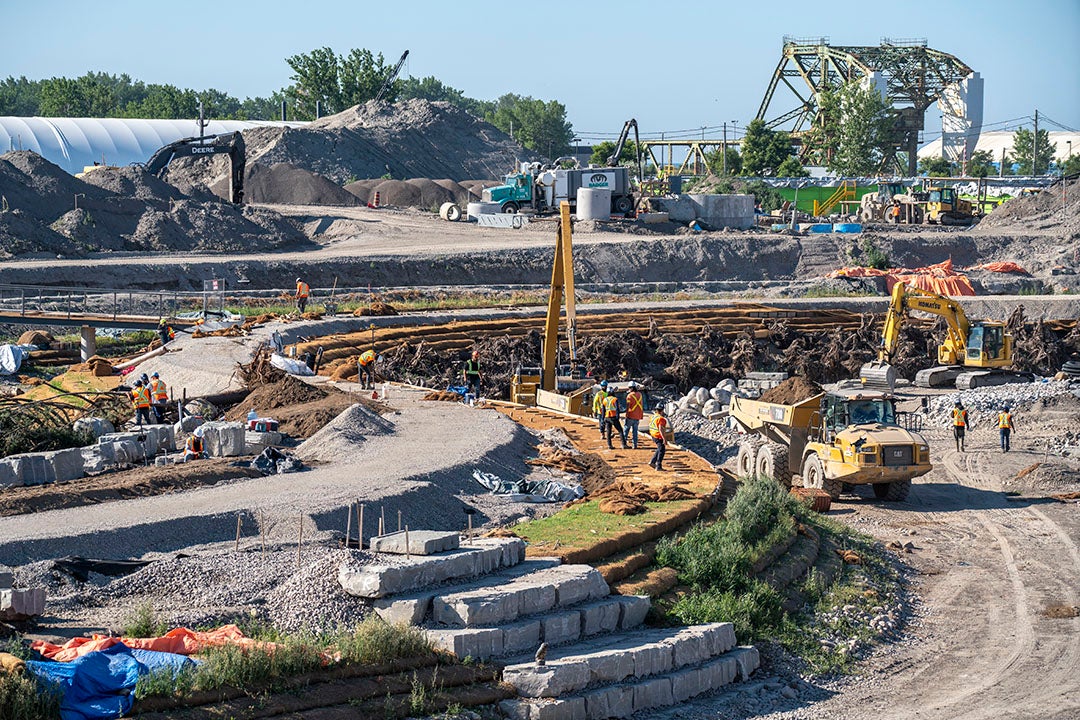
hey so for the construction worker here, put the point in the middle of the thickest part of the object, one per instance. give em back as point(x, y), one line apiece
point(1005, 426)
point(895, 213)
point(960, 422)
point(159, 397)
point(471, 374)
point(302, 293)
point(657, 426)
point(611, 419)
point(598, 405)
point(366, 366)
point(193, 448)
point(140, 398)
point(165, 331)
point(635, 411)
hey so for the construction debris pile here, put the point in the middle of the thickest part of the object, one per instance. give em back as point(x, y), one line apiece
point(45, 209)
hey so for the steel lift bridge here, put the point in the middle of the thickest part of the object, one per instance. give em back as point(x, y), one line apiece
point(910, 76)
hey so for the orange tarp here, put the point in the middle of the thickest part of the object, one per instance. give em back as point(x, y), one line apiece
point(1001, 267)
point(180, 641)
point(939, 278)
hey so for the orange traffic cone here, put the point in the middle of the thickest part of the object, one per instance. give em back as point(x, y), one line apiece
point(374, 200)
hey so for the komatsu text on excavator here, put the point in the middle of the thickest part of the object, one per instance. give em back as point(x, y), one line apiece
point(974, 354)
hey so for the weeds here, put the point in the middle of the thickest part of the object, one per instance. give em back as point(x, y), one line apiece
point(874, 258)
point(22, 697)
point(144, 622)
point(826, 291)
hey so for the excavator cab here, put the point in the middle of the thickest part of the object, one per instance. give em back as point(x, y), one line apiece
point(988, 346)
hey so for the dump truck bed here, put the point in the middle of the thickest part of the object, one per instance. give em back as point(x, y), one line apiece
point(754, 414)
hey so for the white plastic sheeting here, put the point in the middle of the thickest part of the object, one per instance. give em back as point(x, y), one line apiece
point(12, 356)
point(74, 143)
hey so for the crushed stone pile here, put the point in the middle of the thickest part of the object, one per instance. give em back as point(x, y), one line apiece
point(417, 192)
point(1042, 211)
point(409, 139)
point(339, 437)
point(793, 390)
point(121, 209)
point(285, 184)
point(985, 403)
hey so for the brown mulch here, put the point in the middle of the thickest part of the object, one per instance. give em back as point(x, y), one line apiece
point(653, 583)
point(233, 331)
point(36, 337)
point(849, 556)
point(501, 533)
point(794, 389)
point(1028, 470)
point(626, 497)
point(444, 395)
point(1061, 612)
point(374, 309)
point(551, 456)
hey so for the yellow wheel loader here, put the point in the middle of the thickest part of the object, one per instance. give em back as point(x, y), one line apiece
point(833, 439)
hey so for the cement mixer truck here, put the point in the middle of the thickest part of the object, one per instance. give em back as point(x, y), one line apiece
point(542, 189)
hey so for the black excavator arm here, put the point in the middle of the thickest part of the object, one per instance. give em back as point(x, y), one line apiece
point(391, 77)
point(231, 144)
point(613, 159)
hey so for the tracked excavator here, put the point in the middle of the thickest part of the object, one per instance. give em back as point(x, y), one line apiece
point(231, 144)
point(974, 354)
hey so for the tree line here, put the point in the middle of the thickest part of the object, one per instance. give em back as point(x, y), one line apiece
point(321, 80)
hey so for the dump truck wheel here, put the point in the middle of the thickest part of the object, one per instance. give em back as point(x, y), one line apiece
point(746, 460)
point(881, 490)
point(772, 462)
point(813, 474)
point(897, 490)
point(510, 208)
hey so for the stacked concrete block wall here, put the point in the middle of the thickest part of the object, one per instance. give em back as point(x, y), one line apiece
point(224, 439)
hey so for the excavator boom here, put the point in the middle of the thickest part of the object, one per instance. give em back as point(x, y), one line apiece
point(231, 144)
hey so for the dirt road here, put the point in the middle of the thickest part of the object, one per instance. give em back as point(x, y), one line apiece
point(989, 566)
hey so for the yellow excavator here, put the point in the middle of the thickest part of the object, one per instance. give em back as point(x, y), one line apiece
point(974, 354)
point(945, 207)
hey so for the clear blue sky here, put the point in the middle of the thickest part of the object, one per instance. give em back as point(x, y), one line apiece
point(673, 65)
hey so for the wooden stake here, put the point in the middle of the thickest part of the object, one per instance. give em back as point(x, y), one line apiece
point(299, 540)
point(406, 541)
point(239, 520)
point(360, 527)
point(382, 520)
point(399, 521)
point(348, 525)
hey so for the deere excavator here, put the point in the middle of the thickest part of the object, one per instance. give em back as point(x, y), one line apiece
point(231, 144)
point(974, 354)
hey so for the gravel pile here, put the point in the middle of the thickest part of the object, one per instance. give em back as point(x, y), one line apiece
point(341, 436)
point(987, 402)
point(286, 184)
point(713, 440)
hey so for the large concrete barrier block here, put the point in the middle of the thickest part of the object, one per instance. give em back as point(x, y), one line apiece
point(21, 604)
point(609, 666)
point(370, 581)
point(94, 425)
point(546, 681)
point(719, 211)
point(747, 660)
point(67, 464)
point(420, 542)
point(521, 637)
point(224, 439)
point(476, 608)
point(577, 583)
point(688, 648)
point(6, 579)
point(32, 468)
point(164, 437)
point(571, 708)
point(633, 610)
point(653, 693)
point(652, 659)
point(535, 599)
point(686, 684)
point(720, 637)
point(561, 628)
point(129, 451)
point(8, 476)
point(407, 611)
point(610, 702)
point(476, 643)
point(601, 617)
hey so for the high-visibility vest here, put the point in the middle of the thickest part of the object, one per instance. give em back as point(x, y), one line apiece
point(657, 426)
point(472, 367)
point(598, 401)
point(959, 417)
point(194, 445)
point(611, 406)
point(1005, 420)
point(635, 409)
point(302, 289)
point(159, 391)
point(140, 396)
point(367, 357)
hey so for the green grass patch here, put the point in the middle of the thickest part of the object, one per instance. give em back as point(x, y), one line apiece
point(143, 622)
point(828, 291)
point(584, 525)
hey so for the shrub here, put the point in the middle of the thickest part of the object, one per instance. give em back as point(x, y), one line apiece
point(23, 697)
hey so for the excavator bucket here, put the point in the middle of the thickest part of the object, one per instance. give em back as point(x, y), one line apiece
point(878, 375)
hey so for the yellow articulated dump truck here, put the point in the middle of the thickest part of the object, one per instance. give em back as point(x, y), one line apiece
point(833, 439)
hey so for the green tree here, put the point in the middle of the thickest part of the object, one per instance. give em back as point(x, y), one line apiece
point(317, 80)
point(164, 101)
point(791, 167)
point(854, 127)
point(981, 164)
point(936, 167)
point(363, 75)
point(763, 150)
point(768, 197)
point(540, 126)
point(20, 96)
point(261, 108)
point(1069, 165)
point(716, 162)
point(1022, 150)
point(602, 151)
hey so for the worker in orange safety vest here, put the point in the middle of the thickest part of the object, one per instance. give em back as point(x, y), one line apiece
point(657, 426)
point(365, 366)
point(1005, 426)
point(302, 293)
point(635, 411)
point(193, 448)
point(140, 398)
point(159, 397)
point(611, 420)
point(960, 422)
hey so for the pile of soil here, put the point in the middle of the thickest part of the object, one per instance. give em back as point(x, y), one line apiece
point(376, 308)
point(417, 192)
point(280, 391)
point(286, 184)
point(39, 338)
point(300, 409)
point(1041, 211)
point(122, 209)
point(793, 390)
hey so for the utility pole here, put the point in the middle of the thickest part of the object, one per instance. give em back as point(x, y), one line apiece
point(723, 148)
point(1035, 146)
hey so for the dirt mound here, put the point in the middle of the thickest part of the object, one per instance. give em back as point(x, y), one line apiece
point(121, 209)
point(443, 395)
point(792, 390)
point(362, 189)
point(375, 308)
point(282, 391)
point(410, 139)
point(39, 338)
point(397, 192)
point(286, 184)
point(1042, 211)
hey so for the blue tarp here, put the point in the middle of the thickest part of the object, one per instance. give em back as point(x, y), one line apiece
point(101, 684)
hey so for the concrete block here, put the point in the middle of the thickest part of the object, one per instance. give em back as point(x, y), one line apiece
point(570, 708)
point(408, 611)
point(600, 617)
point(489, 606)
point(22, 603)
point(578, 583)
point(609, 702)
point(256, 442)
point(652, 659)
point(653, 693)
point(8, 477)
point(223, 439)
point(689, 647)
point(561, 628)
point(129, 451)
point(515, 709)
point(720, 211)
point(166, 437)
point(633, 609)
point(536, 599)
point(521, 637)
point(66, 464)
point(32, 468)
point(531, 680)
point(94, 425)
point(97, 458)
point(686, 684)
point(609, 666)
point(421, 542)
point(720, 637)
point(477, 643)
point(6, 579)
point(747, 660)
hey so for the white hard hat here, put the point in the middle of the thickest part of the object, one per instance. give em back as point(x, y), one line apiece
point(198, 432)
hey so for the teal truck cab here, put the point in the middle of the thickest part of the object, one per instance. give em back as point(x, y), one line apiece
point(542, 188)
